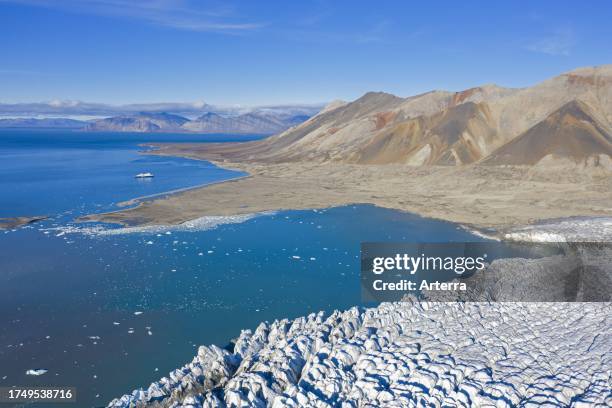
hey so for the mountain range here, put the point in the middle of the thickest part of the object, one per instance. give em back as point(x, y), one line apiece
point(568, 117)
point(50, 123)
point(264, 120)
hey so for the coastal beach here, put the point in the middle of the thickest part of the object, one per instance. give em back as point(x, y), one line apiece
point(497, 197)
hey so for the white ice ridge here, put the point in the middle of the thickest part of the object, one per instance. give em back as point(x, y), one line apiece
point(592, 229)
point(198, 224)
point(405, 355)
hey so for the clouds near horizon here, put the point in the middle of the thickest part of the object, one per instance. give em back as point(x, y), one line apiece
point(180, 14)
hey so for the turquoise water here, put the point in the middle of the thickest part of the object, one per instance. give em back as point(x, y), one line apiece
point(71, 301)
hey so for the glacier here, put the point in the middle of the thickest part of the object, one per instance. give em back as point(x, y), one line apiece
point(404, 354)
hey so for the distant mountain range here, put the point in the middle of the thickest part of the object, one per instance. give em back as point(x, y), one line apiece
point(568, 117)
point(267, 122)
point(263, 120)
point(51, 123)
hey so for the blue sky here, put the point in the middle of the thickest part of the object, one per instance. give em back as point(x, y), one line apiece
point(272, 52)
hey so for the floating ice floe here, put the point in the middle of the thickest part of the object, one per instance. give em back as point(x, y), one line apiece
point(198, 224)
point(36, 371)
point(138, 313)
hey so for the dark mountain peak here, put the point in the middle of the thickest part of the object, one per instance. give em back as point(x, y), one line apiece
point(575, 108)
point(208, 115)
point(569, 132)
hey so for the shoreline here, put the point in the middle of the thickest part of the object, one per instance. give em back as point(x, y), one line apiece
point(10, 223)
point(124, 205)
point(477, 197)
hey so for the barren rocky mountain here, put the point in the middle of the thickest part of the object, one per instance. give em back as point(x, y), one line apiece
point(247, 123)
point(142, 122)
point(263, 122)
point(570, 132)
point(31, 123)
point(569, 116)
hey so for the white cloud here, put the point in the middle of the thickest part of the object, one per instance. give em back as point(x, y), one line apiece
point(180, 14)
point(559, 42)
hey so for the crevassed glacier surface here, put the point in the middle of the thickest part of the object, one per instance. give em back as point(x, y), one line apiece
point(402, 355)
point(585, 229)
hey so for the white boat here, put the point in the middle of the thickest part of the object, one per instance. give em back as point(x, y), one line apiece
point(144, 175)
point(36, 371)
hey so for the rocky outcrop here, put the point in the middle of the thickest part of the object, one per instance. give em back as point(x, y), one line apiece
point(15, 222)
point(405, 354)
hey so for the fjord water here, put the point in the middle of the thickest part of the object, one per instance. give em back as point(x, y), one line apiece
point(52, 172)
point(110, 313)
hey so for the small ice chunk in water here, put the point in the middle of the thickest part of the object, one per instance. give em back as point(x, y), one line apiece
point(131, 331)
point(149, 242)
point(138, 313)
point(36, 371)
point(116, 323)
point(295, 257)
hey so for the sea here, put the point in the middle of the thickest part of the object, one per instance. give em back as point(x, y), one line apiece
point(108, 310)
